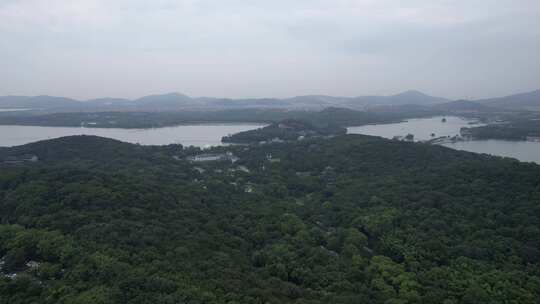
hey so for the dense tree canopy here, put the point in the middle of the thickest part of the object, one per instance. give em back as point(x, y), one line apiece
point(507, 126)
point(285, 130)
point(352, 219)
point(333, 116)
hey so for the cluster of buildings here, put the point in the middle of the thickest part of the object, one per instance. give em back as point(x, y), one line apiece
point(206, 157)
point(28, 266)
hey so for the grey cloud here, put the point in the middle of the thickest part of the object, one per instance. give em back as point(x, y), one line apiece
point(233, 48)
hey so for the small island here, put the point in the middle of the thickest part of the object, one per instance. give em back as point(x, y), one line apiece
point(286, 130)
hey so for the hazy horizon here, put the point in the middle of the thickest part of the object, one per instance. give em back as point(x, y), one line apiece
point(232, 49)
point(254, 97)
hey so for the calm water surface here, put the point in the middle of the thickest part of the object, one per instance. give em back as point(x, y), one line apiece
point(202, 135)
point(522, 150)
point(13, 110)
point(422, 129)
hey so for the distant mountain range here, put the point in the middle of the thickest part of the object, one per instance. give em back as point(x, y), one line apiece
point(463, 106)
point(523, 101)
point(177, 101)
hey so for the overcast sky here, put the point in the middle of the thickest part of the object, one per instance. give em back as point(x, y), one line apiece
point(277, 48)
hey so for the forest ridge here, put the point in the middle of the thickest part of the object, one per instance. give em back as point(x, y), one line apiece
point(342, 220)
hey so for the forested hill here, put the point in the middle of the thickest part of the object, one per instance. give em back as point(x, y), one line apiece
point(82, 147)
point(332, 115)
point(352, 219)
point(286, 130)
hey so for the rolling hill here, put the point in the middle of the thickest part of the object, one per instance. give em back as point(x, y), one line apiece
point(350, 219)
point(177, 101)
point(463, 106)
point(523, 101)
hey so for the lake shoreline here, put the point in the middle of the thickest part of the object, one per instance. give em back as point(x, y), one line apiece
point(199, 135)
point(90, 126)
point(447, 134)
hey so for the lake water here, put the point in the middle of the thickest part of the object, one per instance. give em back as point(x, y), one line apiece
point(422, 129)
point(522, 150)
point(201, 135)
point(13, 110)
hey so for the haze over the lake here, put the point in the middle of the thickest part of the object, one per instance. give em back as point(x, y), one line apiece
point(229, 48)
